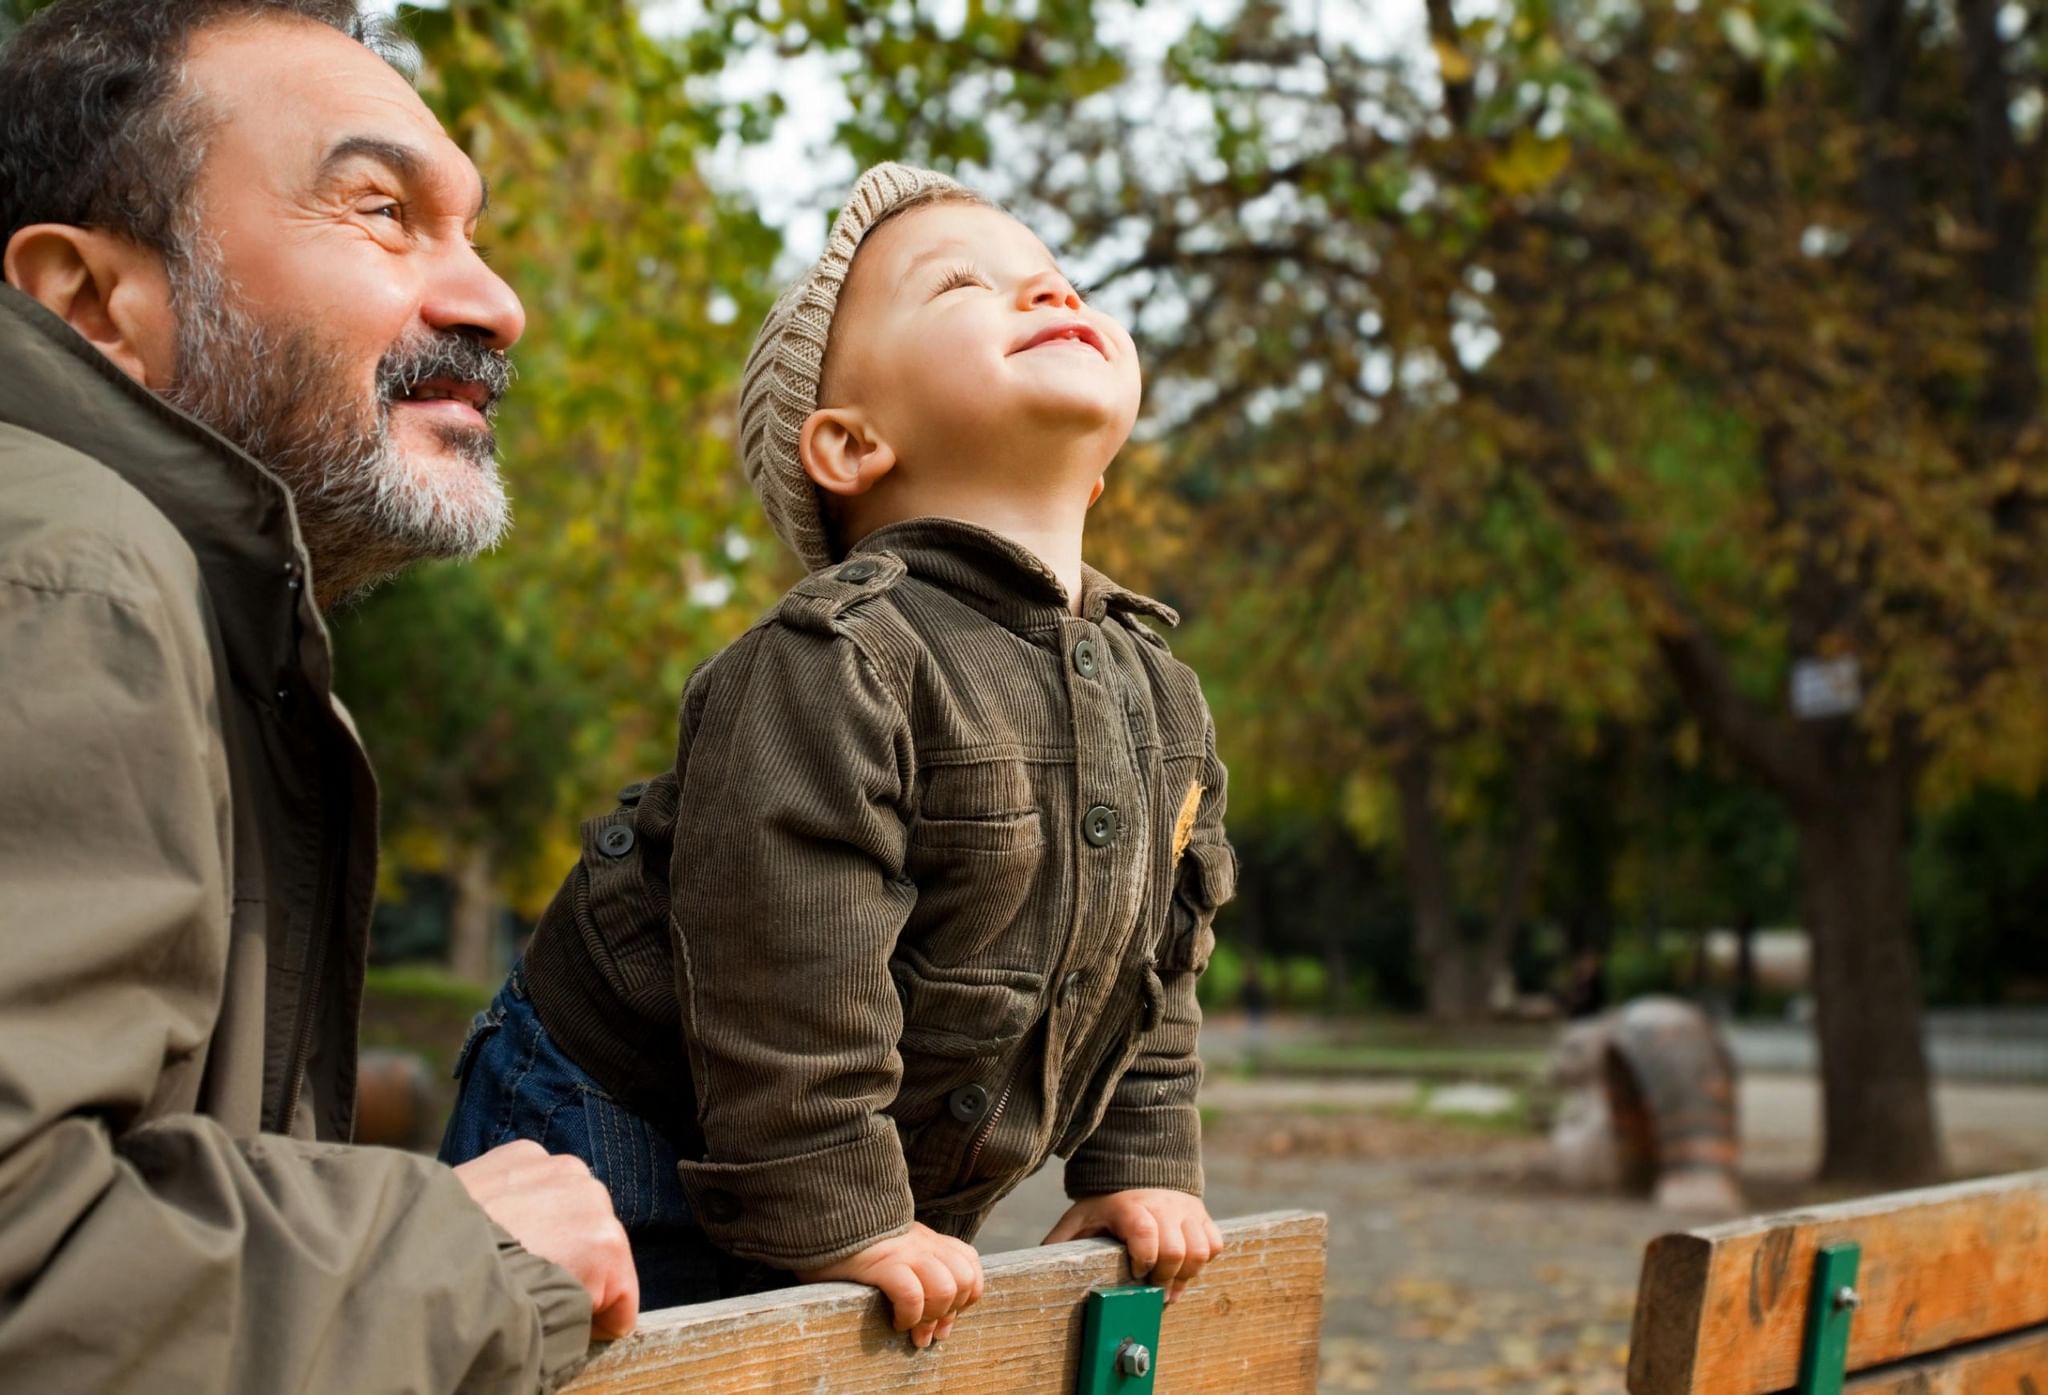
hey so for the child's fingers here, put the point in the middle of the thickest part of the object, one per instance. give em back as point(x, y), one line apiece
point(1173, 1253)
point(1140, 1234)
point(943, 1330)
point(1195, 1232)
point(966, 1267)
point(900, 1284)
point(940, 1287)
point(924, 1334)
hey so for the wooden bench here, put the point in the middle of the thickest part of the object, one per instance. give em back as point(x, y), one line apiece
point(1946, 1294)
point(1248, 1327)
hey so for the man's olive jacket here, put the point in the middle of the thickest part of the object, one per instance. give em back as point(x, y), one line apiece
point(187, 857)
point(921, 905)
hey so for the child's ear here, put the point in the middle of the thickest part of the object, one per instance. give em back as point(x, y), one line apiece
point(1096, 492)
point(842, 453)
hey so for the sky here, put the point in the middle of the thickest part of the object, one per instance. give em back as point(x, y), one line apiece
point(803, 141)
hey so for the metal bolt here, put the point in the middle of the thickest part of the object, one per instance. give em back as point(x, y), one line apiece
point(1133, 1359)
point(1848, 1298)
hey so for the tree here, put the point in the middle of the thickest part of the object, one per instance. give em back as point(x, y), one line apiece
point(505, 701)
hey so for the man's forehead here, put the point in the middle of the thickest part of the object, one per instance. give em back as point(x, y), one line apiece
point(306, 91)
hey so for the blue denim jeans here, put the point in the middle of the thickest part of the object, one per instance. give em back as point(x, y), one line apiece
point(516, 1083)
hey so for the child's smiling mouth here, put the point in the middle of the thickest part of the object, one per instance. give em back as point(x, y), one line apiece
point(1065, 332)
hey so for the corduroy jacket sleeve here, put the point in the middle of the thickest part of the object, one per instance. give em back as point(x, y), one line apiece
point(788, 897)
point(1151, 1134)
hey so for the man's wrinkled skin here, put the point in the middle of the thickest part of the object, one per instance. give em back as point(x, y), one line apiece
point(334, 225)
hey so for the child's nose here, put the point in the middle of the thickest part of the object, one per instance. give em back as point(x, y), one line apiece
point(1048, 291)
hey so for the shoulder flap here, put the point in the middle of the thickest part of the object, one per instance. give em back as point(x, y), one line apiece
point(1128, 618)
point(822, 601)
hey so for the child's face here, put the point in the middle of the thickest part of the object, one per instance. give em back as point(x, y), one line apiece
point(957, 330)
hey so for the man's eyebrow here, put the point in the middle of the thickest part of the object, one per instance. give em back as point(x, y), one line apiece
point(408, 162)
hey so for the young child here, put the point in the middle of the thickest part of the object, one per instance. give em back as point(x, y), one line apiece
point(924, 899)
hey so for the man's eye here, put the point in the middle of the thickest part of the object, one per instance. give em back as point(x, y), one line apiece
point(394, 211)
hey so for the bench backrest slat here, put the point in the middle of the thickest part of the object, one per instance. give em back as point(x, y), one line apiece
point(1723, 1309)
point(1248, 1327)
point(2014, 1365)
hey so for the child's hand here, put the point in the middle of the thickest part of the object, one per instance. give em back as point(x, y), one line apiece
point(1169, 1234)
point(929, 1278)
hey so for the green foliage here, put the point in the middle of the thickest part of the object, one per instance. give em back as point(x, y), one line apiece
point(1980, 896)
point(638, 550)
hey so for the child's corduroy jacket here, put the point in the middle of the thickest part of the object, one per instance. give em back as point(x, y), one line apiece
point(921, 904)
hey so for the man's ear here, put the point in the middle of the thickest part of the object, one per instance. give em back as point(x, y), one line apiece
point(115, 293)
point(842, 452)
point(1096, 492)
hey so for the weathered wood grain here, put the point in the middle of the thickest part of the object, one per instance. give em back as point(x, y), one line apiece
point(1248, 1327)
point(1723, 1309)
point(2014, 1365)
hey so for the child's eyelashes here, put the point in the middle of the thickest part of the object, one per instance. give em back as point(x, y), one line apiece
point(957, 277)
point(965, 275)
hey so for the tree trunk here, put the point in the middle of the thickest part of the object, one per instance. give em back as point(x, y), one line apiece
point(472, 924)
point(1876, 1087)
point(1440, 952)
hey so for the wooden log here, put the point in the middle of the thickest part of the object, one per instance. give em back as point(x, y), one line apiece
point(2014, 1365)
point(1723, 1309)
point(1249, 1326)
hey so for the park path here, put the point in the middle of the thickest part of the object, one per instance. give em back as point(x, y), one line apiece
point(1455, 1264)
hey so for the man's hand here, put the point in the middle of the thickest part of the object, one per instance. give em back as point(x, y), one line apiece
point(1169, 1234)
point(551, 1204)
point(929, 1279)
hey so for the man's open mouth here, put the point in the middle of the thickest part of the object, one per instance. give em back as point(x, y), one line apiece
point(472, 394)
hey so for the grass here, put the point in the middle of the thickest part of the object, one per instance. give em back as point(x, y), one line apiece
point(1441, 1062)
point(426, 983)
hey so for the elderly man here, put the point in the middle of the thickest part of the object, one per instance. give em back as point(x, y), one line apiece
point(248, 361)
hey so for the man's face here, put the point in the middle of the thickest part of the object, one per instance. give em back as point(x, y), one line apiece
point(956, 328)
point(334, 316)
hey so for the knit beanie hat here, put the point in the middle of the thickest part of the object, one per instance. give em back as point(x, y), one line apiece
point(779, 389)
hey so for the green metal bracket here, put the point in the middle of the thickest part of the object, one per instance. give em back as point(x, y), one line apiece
point(1830, 1308)
point(1120, 1340)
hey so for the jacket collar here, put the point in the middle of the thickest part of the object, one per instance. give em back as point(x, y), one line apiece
point(234, 514)
point(1002, 579)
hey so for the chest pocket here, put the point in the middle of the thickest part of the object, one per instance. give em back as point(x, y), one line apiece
point(977, 847)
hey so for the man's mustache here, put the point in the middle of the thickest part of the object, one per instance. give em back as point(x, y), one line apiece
point(447, 358)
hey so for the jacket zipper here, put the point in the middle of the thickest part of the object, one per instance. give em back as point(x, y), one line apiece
point(309, 1001)
point(988, 1129)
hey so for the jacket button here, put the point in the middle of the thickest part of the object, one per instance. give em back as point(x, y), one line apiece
point(615, 841)
point(1100, 825)
point(968, 1103)
point(721, 1207)
point(1070, 986)
point(1084, 659)
point(858, 571)
point(631, 793)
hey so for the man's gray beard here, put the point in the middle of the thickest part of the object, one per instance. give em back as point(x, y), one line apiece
point(284, 398)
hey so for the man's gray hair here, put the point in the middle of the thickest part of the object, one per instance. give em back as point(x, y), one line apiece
point(98, 128)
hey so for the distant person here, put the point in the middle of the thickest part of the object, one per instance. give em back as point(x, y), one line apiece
point(1585, 995)
point(924, 899)
point(248, 358)
point(1252, 996)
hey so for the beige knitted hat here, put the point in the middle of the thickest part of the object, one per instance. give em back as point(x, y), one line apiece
point(779, 389)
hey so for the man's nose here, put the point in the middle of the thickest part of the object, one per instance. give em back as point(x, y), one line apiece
point(1047, 290)
point(466, 297)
